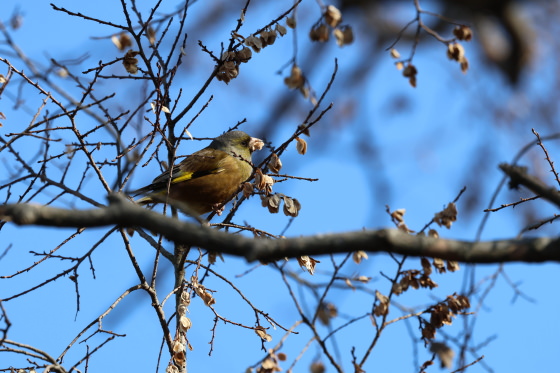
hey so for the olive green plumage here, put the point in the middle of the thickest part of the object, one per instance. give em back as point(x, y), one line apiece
point(207, 178)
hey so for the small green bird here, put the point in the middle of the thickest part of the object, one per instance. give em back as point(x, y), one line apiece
point(207, 178)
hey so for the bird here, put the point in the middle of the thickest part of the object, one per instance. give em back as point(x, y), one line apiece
point(208, 178)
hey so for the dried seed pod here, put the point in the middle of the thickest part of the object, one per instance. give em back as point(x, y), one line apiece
point(291, 22)
point(463, 32)
point(247, 189)
point(296, 78)
point(130, 62)
point(291, 207)
point(333, 16)
point(455, 51)
point(343, 35)
point(301, 145)
point(319, 33)
point(281, 29)
point(275, 164)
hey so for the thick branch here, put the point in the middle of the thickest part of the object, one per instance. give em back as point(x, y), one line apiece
point(519, 176)
point(123, 213)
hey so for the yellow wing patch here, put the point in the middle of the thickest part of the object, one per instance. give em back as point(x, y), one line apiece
point(184, 177)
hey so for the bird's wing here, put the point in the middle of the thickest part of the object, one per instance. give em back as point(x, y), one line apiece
point(203, 162)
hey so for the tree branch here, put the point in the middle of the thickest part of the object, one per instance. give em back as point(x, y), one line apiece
point(519, 176)
point(123, 213)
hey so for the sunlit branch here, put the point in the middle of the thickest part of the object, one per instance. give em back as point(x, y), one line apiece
point(126, 214)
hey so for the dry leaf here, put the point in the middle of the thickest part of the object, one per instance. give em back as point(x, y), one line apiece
point(301, 145)
point(122, 41)
point(343, 35)
point(327, 311)
point(254, 42)
point(272, 202)
point(358, 256)
point(382, 308)
point(428, 331)
point(268, 37)
point(464, 64)
point(333, 16)
point(263, 182)
point(179, 352)
point(319, 33)
point(130, 62)
point(259, 183)
point(244, 55)
point(185, 298)
point(455, 51)
point(317, 367)
point(441, 315)
point(426, 282)
point(180, 358)
point(296, 78)
point(280, 29)
point(457, 302)
point(397, 288)
point(291, 22)
point(444, 353)
point(291, 207)
point(151, 35)
point(398, 215)
point(185, 323)
point(410, 72)
point(307, 263)
point(247, 189)
point(363, 279)
point(201, 291)
point(187, 132)
point(463, 32)
point(426, 267)
point(438, 263)
point(452, 265)
point(433, 233)
point(261, 332)
point(275, 164)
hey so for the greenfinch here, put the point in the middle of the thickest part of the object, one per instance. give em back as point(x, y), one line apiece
point(208, 178)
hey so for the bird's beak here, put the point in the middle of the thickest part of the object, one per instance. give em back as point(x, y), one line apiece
point(255, 144)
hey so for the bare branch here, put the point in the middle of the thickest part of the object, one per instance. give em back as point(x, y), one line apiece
point(519, 176)
point(124, 214)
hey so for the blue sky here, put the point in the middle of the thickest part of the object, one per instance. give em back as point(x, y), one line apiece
point(423, 152)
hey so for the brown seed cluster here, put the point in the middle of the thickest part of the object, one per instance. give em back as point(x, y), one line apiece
point(271, 363)
point(130, 61)
point(447, 216)
point(297, 80)
point(330, 21)
point(228, 68)
point(455, 51)
point(442, 314)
